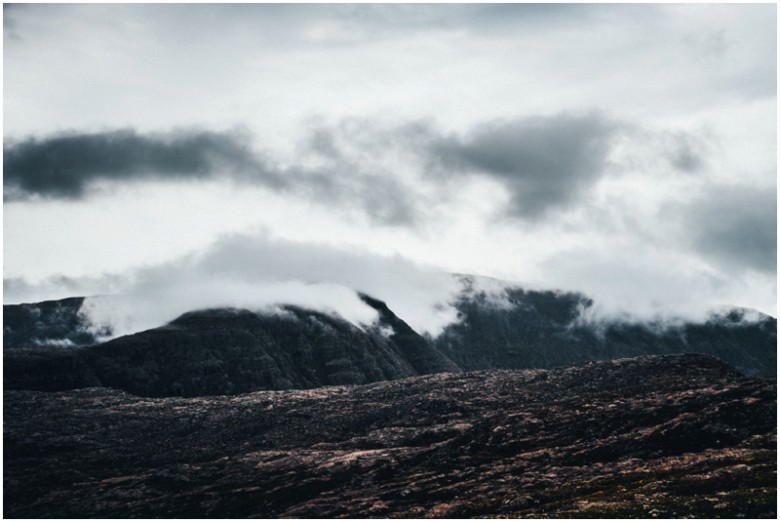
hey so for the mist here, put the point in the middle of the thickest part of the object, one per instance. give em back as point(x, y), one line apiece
point(261, 273)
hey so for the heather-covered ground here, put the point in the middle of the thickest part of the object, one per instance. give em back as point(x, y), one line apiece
point(666, 436)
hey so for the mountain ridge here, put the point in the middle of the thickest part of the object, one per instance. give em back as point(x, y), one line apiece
point(230, 351)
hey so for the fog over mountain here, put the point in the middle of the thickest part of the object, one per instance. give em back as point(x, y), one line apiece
point(371, 147)
point(243, 271)
point(310, 154)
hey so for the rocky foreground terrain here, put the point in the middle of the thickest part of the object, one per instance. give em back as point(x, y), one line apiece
point(660, 436)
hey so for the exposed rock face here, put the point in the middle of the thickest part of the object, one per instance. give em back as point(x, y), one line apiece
point(670, 436)
point(533, 329)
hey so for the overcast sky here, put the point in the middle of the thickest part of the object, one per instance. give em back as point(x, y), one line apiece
point(627, 151)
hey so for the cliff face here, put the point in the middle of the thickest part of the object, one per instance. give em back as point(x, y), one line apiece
point(665, 436)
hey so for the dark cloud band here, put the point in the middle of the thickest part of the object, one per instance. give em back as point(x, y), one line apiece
point(544, 162)
point(547, 164)
point(64, 166)
point(735, 226)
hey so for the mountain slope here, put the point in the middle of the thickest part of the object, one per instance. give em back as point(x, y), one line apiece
point(509, 327)
point(421, 354)
point(654, 437)
point(226, 351)
point(46, 323)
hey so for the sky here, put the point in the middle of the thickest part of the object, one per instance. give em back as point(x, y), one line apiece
point(204, 155)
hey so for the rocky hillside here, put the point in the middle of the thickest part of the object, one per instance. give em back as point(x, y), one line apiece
point(669, 436)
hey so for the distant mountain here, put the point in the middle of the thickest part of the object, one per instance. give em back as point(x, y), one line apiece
point(229, 351)
point(420, 352)
point(504, 326)
point(226, 351)
point(49, 323)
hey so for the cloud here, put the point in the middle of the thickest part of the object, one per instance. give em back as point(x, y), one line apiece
point(19, 290)
point(733, 226)
point(382, 198)
point(393, 173)
point(545, 162)
point(64, 166)
point(634, 280)
point(685, 151)
point(259, 273)
point(711, 44)
point(9, 22)
point(262, 273)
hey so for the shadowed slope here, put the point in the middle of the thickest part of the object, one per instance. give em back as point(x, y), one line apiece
point(544, 329)
point(227, 351)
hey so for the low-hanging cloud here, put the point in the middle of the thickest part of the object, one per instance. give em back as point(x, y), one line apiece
point(64, 166)
point(389, 172)
point(733, 226)
point(545, 162)
point(262, 273)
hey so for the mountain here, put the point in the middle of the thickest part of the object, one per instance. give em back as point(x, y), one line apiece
point(674, 436)
point(504, 326)
point(49, 323)
point(227, 351)
point(421, 354)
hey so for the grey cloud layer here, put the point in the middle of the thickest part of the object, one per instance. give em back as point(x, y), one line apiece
point(255, 271)
point(280, 24)
point(64, 166)
point(545, 163)
point(734, 226)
